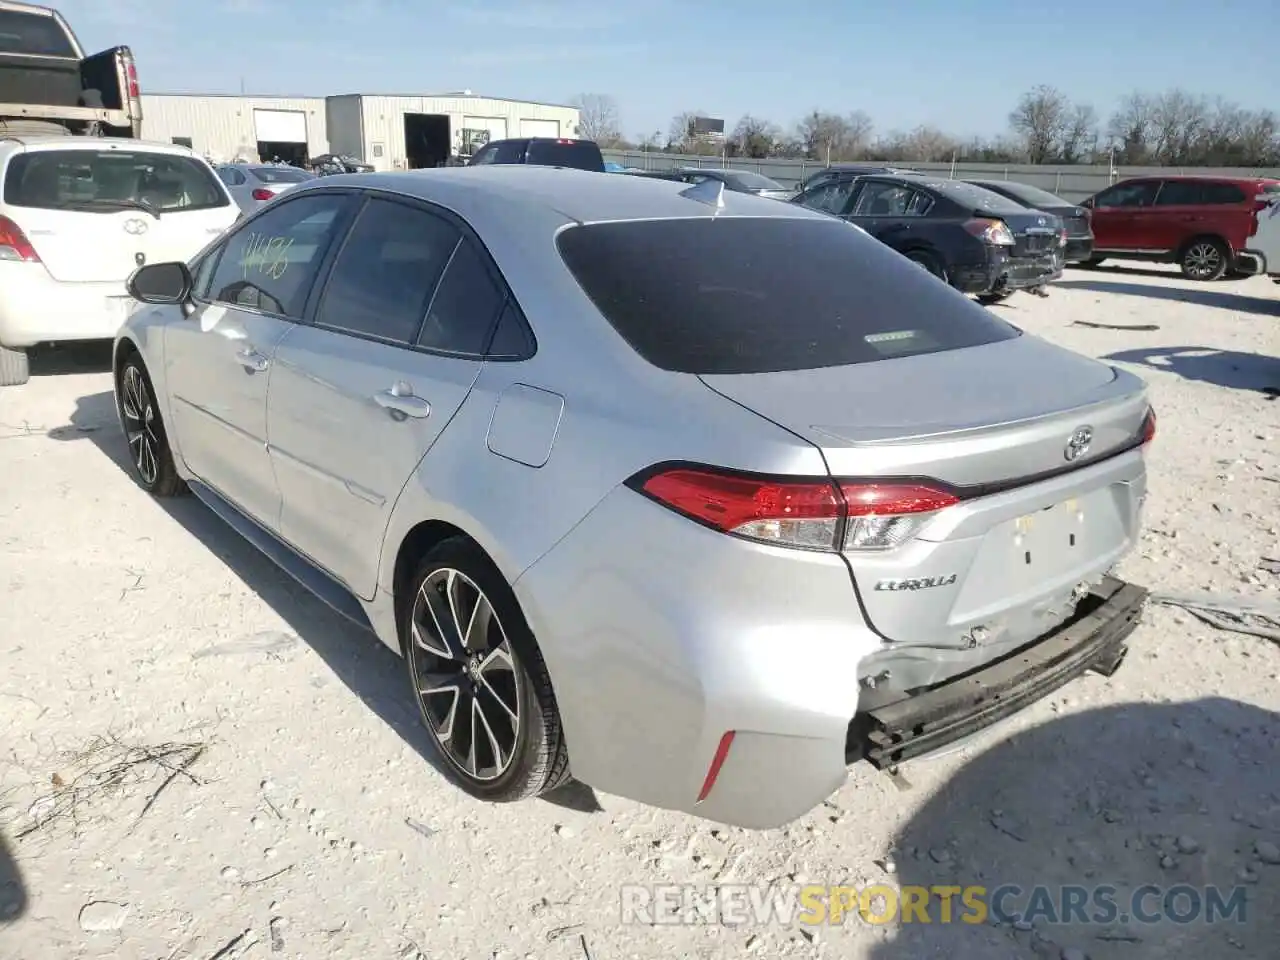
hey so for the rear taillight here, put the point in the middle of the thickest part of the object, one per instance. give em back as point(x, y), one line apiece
point(1149, 426)
point(14, 244)
point(262, 194)
point(810, 514)
point(991, 231)
point(131, 78)
point(1062, 237)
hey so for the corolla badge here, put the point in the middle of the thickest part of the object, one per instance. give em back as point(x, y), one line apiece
point(1078, 444)
point(916, 583)
point(135, 227)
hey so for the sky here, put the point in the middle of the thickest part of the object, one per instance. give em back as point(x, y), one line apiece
point(956, 66)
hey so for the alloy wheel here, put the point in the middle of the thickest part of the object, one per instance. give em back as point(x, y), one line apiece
point(465, 675)
point(1203, 260)
point(140, 424)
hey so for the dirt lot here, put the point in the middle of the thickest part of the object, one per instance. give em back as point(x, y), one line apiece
point(197, 760)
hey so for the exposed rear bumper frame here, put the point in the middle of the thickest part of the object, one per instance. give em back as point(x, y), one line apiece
point(1095, 639)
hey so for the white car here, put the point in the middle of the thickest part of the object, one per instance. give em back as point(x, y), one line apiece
point(253, 184)
point(1265, 241)
point(77, 216)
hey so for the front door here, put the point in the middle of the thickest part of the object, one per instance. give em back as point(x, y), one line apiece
point(359, 396)
point(218, 362)
point(1121, 216)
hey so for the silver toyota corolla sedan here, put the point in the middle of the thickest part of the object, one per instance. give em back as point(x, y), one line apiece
point(692, 495)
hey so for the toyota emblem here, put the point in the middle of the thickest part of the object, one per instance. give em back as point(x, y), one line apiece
point(1042, 221)
point(135, 227)
point(1078, 445)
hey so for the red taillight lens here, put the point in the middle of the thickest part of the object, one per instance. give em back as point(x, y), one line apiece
point(1149, 427)
point(813, 514)
point(262, 194)
point(131, 76)
point(14, 244)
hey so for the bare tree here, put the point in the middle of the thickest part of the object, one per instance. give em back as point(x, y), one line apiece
point(1130, 128)
point(1080, 136)
point(598, 118)
point(754, 138)
point(1041, 119)
point(829, 136)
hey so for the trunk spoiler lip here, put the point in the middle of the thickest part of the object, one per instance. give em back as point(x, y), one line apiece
point(961, 492)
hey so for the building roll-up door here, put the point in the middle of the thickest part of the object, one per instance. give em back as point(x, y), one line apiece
point(540, 128)
point(280, 126)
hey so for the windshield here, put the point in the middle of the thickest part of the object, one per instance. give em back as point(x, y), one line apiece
point(109, 180)
point(33, 34)
point(579, 154)
point(281, 174)
point(1029, 194)
point(753, 181)
point(737, 295)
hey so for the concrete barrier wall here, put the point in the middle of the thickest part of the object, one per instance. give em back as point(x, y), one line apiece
point(1069, 182)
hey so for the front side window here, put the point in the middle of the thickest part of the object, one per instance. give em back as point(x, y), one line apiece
point(831, 196)
point(487, 155)
point(509, 151)
point(108, 181)
point(1140, 194)
point(702, 295)
point(271, 262)
point(387, 270)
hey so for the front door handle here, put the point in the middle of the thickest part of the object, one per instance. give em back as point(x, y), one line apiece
point(252, 360)
point(401, 402)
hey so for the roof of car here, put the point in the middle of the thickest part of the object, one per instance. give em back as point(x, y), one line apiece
point(503, 192)
point(56, 142)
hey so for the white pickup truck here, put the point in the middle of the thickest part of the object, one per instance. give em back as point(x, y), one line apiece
point(1265, 242)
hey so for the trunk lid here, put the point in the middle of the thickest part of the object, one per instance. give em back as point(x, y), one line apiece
point(994, 424)
point(1034, 232)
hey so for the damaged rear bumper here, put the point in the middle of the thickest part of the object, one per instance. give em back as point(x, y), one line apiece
point(1094, 639)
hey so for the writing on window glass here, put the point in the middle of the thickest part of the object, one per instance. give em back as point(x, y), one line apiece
point(267, 254)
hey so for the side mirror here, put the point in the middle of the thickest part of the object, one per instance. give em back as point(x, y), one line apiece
point(161, 283)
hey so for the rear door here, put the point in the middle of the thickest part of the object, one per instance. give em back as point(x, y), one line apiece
point(890, 211)
point(95, 214)
point(1179, 213)
point(359, 396)
point(251, 292)
point(1118, 216)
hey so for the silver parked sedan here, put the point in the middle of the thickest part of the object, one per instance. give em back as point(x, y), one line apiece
point(252, 185)
point(696, 496)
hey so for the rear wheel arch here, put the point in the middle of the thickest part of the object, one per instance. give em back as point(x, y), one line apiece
point(1217, 240)
point(421, 539)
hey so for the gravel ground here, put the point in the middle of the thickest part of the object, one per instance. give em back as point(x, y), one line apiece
point(206, 763)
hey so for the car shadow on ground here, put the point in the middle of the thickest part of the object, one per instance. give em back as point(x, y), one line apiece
point(1169, 273)
point(13, 894)
point(1223, 368)
point(1184, 797)
point(93, 356)
point(1264, 303)
point(371, 671)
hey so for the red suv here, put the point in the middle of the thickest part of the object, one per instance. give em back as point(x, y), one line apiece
point(1200, 223)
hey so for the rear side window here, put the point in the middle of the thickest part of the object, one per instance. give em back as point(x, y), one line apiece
point(108, 181)
point(579, 154)
point(34, 35)
point(1223, 193)
point(465, 305)
point(1177, 193)
point(758, 295)
point(384, 276)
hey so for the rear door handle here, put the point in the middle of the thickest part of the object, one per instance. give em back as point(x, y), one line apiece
point(400, 402)
point(252, 360)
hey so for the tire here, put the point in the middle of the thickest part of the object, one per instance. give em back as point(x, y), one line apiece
point(987, 299)
point(1204, 259)
point(928, 261)
point(144, 431)
point(14, 368)
point(446, 686)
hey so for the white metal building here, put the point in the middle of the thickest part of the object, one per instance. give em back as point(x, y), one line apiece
point(399, 132)
point(390, 132)
point(227, 127)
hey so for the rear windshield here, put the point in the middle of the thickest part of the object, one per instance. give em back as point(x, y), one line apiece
point(975, 198)
point(579, 154)
point(33, 34)
point(108, 181)
point(736, 295)
point(753, 181)
point(282, 174)
point(1029, 194)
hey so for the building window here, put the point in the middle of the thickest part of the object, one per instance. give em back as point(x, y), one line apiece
point(183, 141)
